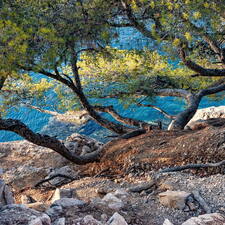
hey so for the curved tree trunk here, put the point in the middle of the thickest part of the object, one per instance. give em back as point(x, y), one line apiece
point(184, 117)
point(193, 101)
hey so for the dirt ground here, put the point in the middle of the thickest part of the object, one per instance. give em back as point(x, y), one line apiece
point(160, 149)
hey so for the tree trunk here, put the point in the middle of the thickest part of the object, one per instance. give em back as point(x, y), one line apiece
point(184, 117)
point(115, 127)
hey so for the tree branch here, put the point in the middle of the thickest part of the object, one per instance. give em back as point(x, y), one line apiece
point(42, 110)
point(212, 90)
point(192, 166)
point(173, 92)
point(128, 121)
point(159, 109)
point(199, 69)
point(56, 145)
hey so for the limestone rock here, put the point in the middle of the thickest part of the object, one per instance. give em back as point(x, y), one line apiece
point(113, 202)
point(55, 212)
point(60, 221)
point(167, 222)
point(20, 214)
point(68, 202)
point(25, 176)
point(174, 199)
point(87, 220)
point(206, 219)
point(6, 196)
point(121, 194)
point(117, 219)
point(39, 206)
point(63, 193)
point(81, 144)
point(205, 114)
point(65, 170)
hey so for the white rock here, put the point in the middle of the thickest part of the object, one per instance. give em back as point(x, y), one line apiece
point(174, 199)
point(63, 193)
point(113, 202)
point(206, 219)
point(60, 221)
point(121, 193)
point(207, 113)
point(117, 219)
point(90, 220)
point(167, 222)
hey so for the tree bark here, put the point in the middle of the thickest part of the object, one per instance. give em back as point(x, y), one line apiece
point(56, 145)
point(125, 120)
point(184, 117)
point(193, 101)
point(115, 127)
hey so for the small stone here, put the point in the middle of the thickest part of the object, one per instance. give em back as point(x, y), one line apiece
point(104, 218)
point(90, 220)
point(60, 221)
point(166, 186)
point(117, 219)
point(167, 222)
point(25, 199)
point(63, 193)
point(85, 150)
point(121, 193)
point(206, 219)
point(113, 202)
point(39, 206)
point(174, 199)
point(68, 202)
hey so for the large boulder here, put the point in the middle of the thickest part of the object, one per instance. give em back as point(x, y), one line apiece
point(174, 199)
point(20, 214)
point(200, 118)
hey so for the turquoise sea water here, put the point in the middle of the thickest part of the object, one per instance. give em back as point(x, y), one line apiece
point(38, 121)
point(44, 123)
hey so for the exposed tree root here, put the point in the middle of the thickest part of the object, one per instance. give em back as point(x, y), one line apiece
point(192, 166)
point(53, 177)
point(201, 201)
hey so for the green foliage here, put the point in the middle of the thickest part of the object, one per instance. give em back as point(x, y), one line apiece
point(137, 70)
point(42, 34)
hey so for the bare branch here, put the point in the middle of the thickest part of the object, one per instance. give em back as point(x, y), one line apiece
point(159, 109)
point(56, 145)
point(42, 110)
point(199, 69)
point(173, 92)
point(192, 166)
point(212, 90)
point(128, 121)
